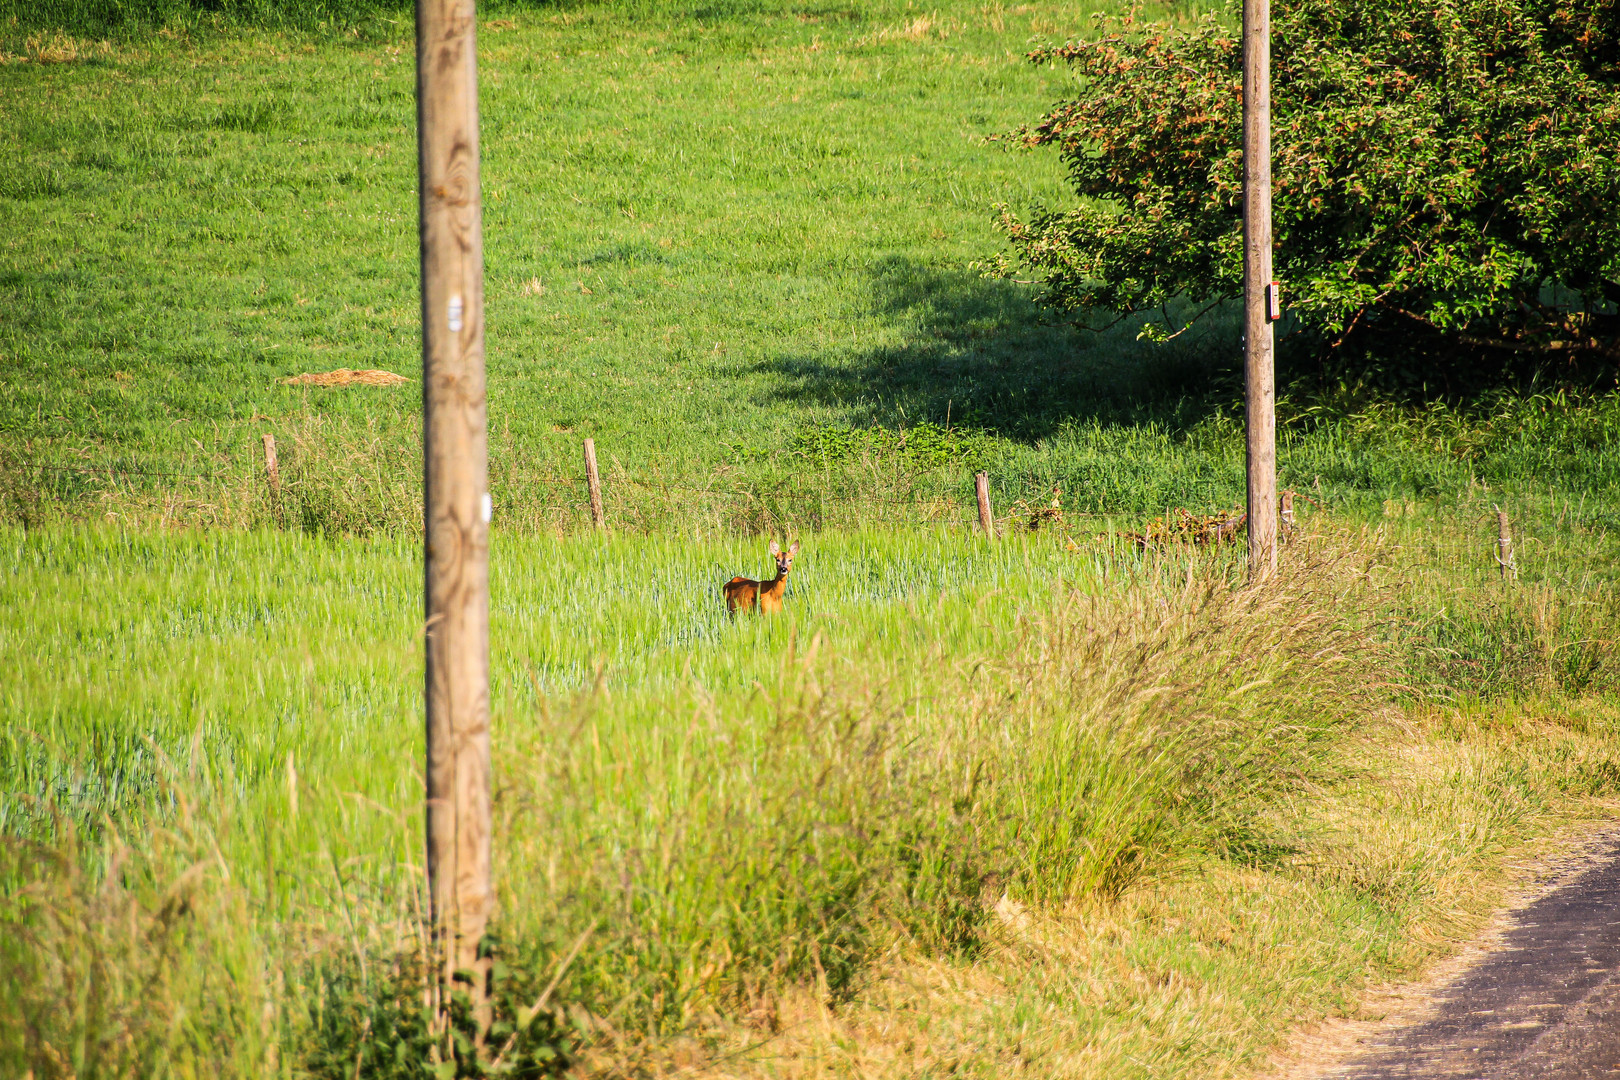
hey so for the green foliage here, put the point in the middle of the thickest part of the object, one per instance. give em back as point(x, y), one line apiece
point(737, 807)
point(210, 827)
point(154, 316)
point(1443, 174)
point(377, 1025)
point(925, 444)
point(779, 270)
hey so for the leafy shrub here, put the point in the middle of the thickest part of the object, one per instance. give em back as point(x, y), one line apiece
point(1443, 179)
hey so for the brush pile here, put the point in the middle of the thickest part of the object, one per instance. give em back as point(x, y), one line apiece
point(1182, 526)
point(346, 377)
point(1034, 518)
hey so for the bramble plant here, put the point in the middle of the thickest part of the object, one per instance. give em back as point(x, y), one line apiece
point(1442, 173)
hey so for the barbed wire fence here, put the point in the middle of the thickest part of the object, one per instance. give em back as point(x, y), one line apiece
point(750, 504)
point(364, 492)
point(311, 496)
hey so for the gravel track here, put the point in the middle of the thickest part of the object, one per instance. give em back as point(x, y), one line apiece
point(1544, 1003)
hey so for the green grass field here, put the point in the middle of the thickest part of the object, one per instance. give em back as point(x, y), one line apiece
point(720, 241)
point(213, 809)
point(706, 234)
point(1050, 806)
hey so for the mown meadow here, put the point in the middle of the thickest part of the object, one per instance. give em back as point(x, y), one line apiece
point(1053, 805)
point(734, 245)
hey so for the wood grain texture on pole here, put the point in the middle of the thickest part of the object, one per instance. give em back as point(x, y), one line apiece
point(455, 483)
point(1260, 398)
point(593, 480)
point(981, 487)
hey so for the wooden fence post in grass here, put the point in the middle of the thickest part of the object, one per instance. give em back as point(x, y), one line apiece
point(1262, 303)
point(1504, 546)
point(272, 471)
point(981, 486)
point(455, 485)
point(594, 480)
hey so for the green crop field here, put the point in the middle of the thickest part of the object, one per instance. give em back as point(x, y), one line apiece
point(1050, 806)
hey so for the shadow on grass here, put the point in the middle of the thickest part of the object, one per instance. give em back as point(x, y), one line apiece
point(980, 352)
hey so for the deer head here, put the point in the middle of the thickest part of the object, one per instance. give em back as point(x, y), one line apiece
point(784, 559)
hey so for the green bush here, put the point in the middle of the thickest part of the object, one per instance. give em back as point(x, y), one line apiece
point(1445, 186)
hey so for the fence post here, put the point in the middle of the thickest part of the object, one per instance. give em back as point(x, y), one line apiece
point(981, 487)
point(272, 471)
point(1504, 546)
point(594, 480)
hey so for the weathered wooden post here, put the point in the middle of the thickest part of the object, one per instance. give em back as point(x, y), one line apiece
point(455, 488)
point(1262, 302)
point(981, 487)
point(593, 480)
point(1504, 546)
point(272, 471)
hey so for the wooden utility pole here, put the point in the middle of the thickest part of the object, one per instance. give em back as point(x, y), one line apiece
point(455, 487)
point(1261, 302)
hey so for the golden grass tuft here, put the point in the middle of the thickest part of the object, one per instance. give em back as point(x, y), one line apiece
point(921, 28)
point(57, 48)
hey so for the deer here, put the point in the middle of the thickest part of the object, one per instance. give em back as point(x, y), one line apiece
point(746, 594)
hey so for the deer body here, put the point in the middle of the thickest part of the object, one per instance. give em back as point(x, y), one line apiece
point(746, 594)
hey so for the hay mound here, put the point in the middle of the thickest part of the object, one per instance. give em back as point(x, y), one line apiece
point(345, 377)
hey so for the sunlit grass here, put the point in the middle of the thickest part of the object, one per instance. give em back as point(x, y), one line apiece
point(1052, 804)
point(712, 232)
point(733, 814)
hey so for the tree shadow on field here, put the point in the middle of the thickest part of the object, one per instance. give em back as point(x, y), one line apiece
point(981, 353)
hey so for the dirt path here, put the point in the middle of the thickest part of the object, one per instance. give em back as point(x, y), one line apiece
point(1537, 997)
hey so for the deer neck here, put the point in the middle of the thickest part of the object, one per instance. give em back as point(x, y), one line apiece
point(776, 584)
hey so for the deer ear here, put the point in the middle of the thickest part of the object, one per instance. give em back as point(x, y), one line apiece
point(794, 550)
point(774, 549)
